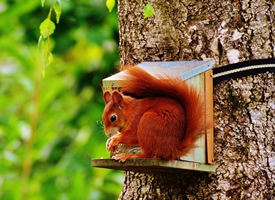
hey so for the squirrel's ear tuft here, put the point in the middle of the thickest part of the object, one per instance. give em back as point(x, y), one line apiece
point(117, 99)
point(107, 97)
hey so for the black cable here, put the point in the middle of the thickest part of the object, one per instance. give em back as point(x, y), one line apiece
point(245, 68)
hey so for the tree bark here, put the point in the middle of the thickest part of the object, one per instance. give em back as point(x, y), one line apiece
point(244, 109)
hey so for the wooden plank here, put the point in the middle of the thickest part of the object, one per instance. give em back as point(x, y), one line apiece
point(209, 118)
point(148, 165)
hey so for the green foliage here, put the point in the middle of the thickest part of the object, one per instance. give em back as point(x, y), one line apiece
point(57, 10)
point(110, 4)
point(148, 10)
point(50, 128)
point(47, 28)
point(42, 3)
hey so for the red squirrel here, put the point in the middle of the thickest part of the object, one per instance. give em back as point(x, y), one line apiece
point(161, 114)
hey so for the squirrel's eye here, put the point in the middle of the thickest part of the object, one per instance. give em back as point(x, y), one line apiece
point(113, 118)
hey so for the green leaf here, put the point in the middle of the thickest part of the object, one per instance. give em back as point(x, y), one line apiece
point(57, 10)
point(148, 10)
point(110, 4)
point(45, 54)
point(41, 45)
point(47, 28)
point(42, 3)
point(50, 58)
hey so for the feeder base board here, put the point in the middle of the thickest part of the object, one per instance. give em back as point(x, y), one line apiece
point(153, 165)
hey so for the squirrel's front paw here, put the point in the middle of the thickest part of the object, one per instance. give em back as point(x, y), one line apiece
point(111, 144)
point(120, 157)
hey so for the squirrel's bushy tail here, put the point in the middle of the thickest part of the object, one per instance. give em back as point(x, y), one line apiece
point(141, 84)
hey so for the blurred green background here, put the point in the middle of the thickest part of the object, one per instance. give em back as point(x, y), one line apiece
point(51, 128)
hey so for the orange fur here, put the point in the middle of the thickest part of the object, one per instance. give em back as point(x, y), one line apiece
point(164, 116)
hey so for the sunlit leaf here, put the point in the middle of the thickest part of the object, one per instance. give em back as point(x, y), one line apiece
point(110, 4)
point(47, 28)
point(49, 58)
point(42, 3)
point(148, 10)
point(41, 45)
point(57, 10)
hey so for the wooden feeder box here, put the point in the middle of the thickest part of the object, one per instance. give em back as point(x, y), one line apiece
point(199, 158)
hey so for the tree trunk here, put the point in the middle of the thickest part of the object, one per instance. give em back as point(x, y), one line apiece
point(244, 109)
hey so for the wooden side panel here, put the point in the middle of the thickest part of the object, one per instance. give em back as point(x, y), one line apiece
point(197, 154)
point(209, 118)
